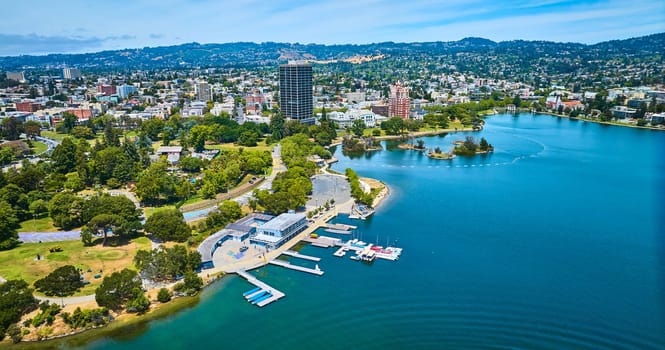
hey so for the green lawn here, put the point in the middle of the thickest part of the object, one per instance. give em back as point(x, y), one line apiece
point(44, 224)
point(195, 199)
point(53, 135)
point(261, 146)
point(21, 262)
point(147, 211)
point(39, 147)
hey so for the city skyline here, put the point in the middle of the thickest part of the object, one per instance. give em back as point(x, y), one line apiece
point(76, 26)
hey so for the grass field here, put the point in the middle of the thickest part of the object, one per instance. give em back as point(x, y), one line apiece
point(39, 147)
point(147, 211)
point(44, 224)
point(260, 146)
point(53, 135)
point(21, 262)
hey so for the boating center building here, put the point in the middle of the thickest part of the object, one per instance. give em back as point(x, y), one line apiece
point(279, 230)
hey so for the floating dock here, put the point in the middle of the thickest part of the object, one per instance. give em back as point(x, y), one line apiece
point(360, 248)
point(323, 241)
point(340, 252)
point(296, 267)
point(341, 227)
point(301, 256)
point(267, 293)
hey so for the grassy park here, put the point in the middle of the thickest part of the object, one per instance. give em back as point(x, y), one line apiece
point(21, 262)
point(38, 147)
point(44, 224)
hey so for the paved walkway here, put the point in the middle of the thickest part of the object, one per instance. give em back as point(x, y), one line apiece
point(67, 300)
point(37, 237)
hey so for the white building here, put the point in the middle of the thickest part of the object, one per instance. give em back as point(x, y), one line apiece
point(258, 119)
point(344, 120)
point(279, 230)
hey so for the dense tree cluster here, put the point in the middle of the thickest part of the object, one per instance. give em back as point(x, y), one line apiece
point(63, 281)
point(168, 225)
point(356, 189)
point(85, 318)
point(228, 211)
point(15, 300)
point(166, 264)
point(120, 289)
point(231, 166)
point(290, 188)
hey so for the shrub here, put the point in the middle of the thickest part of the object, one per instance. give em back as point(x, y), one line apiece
point(164, 295)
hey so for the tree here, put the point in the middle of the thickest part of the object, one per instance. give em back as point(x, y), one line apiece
point(154, 184)
point(484, 145)
point(197, 137)
point(38, 207)
point(191, 164)
point(358, 127)
point(166, 264)
point(11, 128)
point(63, 281)
point(104, 223)
point(7, 155)
point(248, 138)
point(8, 226)
point(393, 126)
point(32, 128)
point(191, 284)
point(277, 126)
point(152, 128)
point(164, 295)
point(168, 225)
point(139, 303)
point(16, 299)
point(82, 132)
point(64, 156)
point(65, 210)
point(117, 289)
point(227, 212)
point(68, 122)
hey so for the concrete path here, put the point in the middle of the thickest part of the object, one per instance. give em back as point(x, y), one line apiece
point(36, 237)
point(67, 300)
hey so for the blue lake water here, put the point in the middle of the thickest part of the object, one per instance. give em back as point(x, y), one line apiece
point(554, 241)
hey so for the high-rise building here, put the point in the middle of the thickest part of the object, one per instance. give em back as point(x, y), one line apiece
point(17, 76)
point(71, 73)
point(125, 90)
point(400, 103)
point(295, 92)
point(203, 92)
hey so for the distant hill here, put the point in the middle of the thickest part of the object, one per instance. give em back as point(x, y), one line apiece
point(244, 54)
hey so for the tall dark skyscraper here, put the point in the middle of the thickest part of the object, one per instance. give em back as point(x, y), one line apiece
point(295, 92)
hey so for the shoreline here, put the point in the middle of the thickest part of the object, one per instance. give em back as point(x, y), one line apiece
point(597, 121)
point(422, 133)
point(123, 320)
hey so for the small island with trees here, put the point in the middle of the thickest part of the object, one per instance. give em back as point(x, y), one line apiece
point(469, 147)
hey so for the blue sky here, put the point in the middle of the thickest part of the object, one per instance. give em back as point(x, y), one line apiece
point(65, 26)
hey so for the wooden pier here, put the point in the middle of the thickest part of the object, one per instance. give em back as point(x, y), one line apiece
point(295, 267)
point(301, 256)
point(276, 295)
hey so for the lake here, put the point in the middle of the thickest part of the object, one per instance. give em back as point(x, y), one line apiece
point(554, 241)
